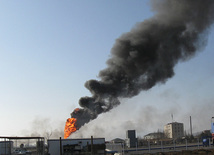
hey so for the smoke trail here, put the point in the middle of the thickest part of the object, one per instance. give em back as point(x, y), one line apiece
point(147, 54)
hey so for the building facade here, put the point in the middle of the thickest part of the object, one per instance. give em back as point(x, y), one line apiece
point(174, 130)
point(131, 140)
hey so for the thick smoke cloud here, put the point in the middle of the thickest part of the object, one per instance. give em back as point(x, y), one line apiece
point(147, 54)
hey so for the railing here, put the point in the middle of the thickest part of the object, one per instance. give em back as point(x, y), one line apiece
point(120, 149)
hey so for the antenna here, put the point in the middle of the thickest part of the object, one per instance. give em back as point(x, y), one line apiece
point(172, 117)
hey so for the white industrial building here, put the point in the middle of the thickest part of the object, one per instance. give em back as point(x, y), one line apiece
point(174, 130)
point(76, 146)
point(155, 135)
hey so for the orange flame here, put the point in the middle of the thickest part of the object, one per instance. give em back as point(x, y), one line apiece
point(76, 110)
point(70, 127)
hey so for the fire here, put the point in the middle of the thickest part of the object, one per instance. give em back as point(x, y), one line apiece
point(70, 127)
point(76, 110)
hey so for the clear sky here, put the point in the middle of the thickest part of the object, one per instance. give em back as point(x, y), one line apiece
point(49, 49)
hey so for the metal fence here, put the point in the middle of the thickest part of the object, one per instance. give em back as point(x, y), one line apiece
point(22, 145)
point(160, 147)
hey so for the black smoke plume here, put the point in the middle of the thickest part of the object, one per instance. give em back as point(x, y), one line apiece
point(147, 54)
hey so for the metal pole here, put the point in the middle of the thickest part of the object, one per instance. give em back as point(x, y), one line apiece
point(209, 142)
point(198, 143)
point(186, 144)
point(149, 146)
point(92, 151)
point(123, 149)
point(43, 146)
point(174, 144)
point(60, 145)
point(5, 145)
point(136, 145)
point(162, 146)
point(191, 125)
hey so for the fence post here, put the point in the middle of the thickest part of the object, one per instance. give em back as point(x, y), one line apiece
point(136, 146)
point(123, 149)
point(174, 143)
point(198, 143)
point(162, 146)
point(209, 142)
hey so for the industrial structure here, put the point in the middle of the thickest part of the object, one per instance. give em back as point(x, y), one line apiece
point(76, 146)
point(131, 140)
point(174, 130)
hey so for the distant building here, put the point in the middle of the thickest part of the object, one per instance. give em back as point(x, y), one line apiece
point(153, 138)
point(131, 140)
point(117, 140)
point(174, 130)
point(115, 146)
point(155, 135)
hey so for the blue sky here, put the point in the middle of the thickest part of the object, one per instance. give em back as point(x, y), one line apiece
point(49, 49)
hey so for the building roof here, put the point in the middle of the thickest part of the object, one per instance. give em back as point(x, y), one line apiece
point(117, 140)
point(174, 123)
point(22, 137)
point(155, 133)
